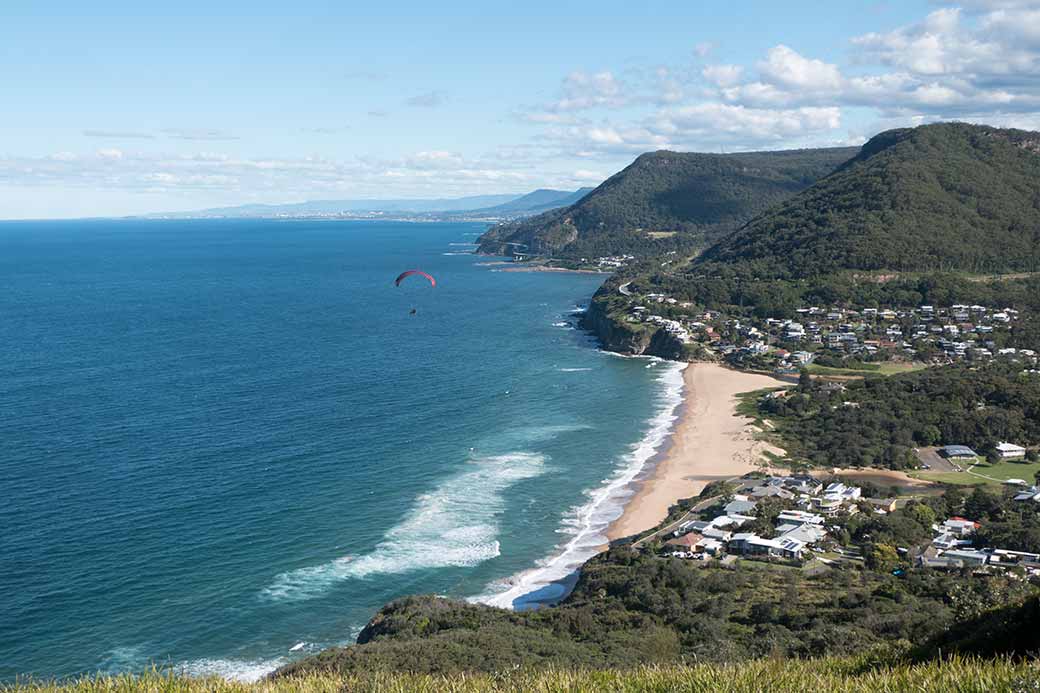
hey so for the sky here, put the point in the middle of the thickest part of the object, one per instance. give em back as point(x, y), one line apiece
point(115, 107)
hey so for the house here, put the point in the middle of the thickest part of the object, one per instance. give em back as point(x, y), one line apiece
point(1029, 494)
point(750, 544)
point(709, 546)
point(799, 517)
point(1005, 557)
point(940, 562)
point(717, 533)
point(731, 520)
point(739, 507)
point(967, 557)
point(1008, 451)
point(803, 484)
point(958, 452)
point(790, 547)
point(738, 543)
point(772, 492)
point(960, 527)
point(687, 542)
point(802, 357)
point(885, 504)
point(837, 496)
point(947, 541)
point(807, 534)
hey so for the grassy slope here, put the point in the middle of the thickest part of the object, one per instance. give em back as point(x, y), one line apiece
point(832, 675)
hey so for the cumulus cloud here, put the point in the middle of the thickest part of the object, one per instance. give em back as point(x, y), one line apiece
point(582, 90)
point(786, 67)
point(979, 62)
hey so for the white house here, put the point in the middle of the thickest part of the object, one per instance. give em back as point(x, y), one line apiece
point(1009, 451)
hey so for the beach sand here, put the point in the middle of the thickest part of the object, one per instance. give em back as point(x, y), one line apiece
point(710, 441)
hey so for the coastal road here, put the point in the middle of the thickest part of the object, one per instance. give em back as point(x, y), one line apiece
point(623, 289)
point(671, 527)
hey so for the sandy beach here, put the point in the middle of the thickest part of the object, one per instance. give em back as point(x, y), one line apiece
point(710, 441)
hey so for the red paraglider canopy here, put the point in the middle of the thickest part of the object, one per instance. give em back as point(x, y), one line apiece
point(401, 277)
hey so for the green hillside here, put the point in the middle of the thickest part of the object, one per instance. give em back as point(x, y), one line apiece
point(938, 197)
point(696, 197)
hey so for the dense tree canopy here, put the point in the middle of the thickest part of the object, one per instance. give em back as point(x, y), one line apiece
point(699, 197)
point(878, 421)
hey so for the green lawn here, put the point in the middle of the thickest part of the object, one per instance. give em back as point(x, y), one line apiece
point(885, 368)
point(1001, 471)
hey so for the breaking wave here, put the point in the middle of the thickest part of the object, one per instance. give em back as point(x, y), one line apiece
point(455, 525)
point(587, 524)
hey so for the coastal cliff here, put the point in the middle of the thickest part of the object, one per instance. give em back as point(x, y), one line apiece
point(635, 339)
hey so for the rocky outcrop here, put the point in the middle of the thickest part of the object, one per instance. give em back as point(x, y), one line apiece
point(626, 338)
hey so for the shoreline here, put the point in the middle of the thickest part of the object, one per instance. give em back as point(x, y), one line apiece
point(552, 578)
point(708, 442)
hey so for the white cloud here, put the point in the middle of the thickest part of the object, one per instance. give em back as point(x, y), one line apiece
point(785, 67)
point(583, 90)
point(723, 75)
point(755, 125)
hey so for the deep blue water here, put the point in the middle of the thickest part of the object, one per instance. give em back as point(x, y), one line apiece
point(220, 439)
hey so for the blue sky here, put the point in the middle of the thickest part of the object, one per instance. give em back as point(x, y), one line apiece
point(119, 108)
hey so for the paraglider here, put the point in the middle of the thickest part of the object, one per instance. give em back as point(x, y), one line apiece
point(408, 273)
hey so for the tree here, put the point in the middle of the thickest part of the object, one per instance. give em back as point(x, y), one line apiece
point(922, 513)
point(882, 557)
point(981, 504)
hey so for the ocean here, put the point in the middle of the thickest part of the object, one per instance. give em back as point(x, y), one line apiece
point(224, 444)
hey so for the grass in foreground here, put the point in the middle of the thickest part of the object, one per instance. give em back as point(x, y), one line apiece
point(832, 675)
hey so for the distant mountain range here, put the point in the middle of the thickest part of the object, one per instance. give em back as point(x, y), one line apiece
point(504, 206)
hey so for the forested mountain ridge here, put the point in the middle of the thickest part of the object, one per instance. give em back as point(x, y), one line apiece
point(948, 196)
point(665, 200)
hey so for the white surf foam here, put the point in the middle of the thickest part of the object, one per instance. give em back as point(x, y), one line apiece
point(455, 525)
point(573, 370)
point(245, 671)
point(587, 524)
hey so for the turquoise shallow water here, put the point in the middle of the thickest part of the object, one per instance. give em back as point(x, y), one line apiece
point(221, 440)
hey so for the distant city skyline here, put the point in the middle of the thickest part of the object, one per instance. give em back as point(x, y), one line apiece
point(114, 109)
